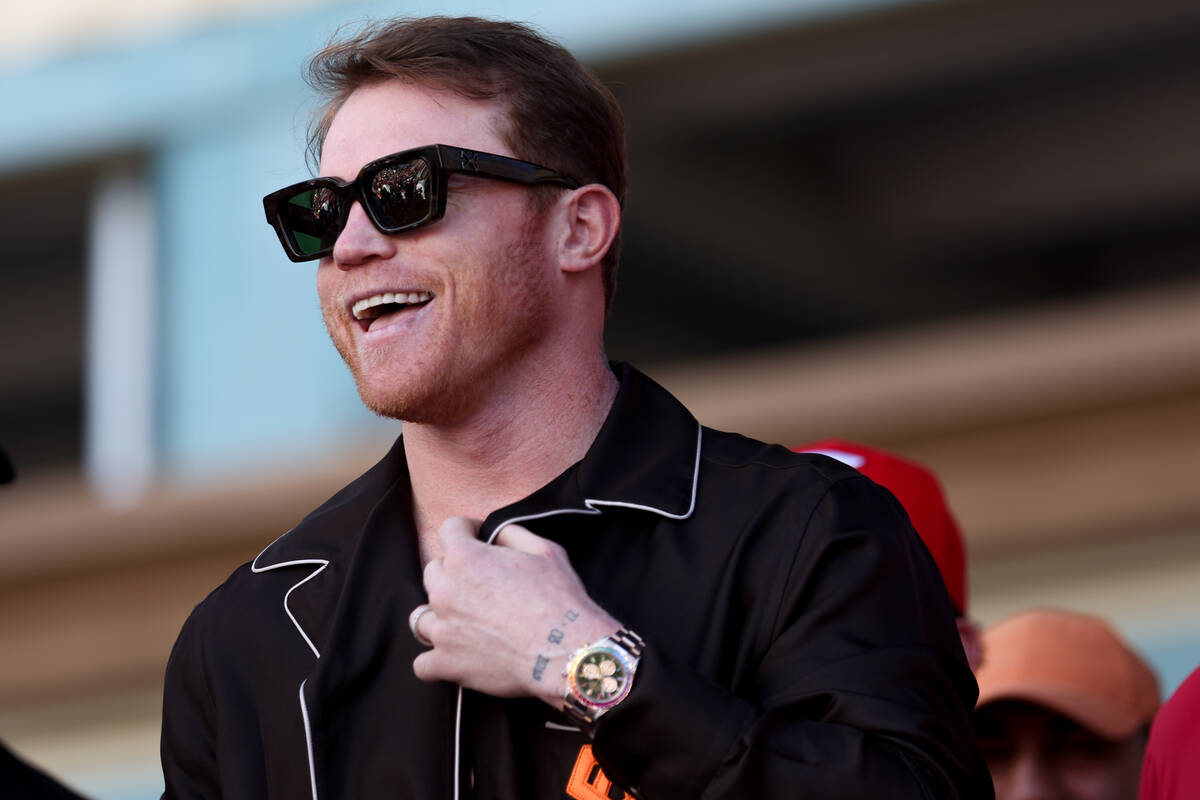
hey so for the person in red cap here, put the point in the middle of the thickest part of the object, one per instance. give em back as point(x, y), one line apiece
point(1171, 770)
point(920, 493)
point(1064, 708)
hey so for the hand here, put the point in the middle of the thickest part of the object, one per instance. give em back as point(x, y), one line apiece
point(505, 617)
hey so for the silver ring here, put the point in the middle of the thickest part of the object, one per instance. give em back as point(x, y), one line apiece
point(413, 619)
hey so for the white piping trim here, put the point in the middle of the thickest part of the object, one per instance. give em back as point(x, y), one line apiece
point(592, 504)
point(312, 767)
point(591, 509)
point(457, 739)
point(554, 726)
point(320, 563)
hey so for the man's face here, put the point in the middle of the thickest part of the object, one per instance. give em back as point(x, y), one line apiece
point(474, 290)
point(1037, 754)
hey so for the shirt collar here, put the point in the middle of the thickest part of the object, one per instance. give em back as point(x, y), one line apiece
point(323, 536)
point(646, 456)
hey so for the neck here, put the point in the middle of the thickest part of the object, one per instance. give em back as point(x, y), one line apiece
point(530, 430)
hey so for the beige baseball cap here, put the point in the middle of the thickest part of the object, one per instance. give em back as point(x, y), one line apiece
point(1074, 664)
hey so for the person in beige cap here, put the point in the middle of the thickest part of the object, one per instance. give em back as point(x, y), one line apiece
point(1064, 708)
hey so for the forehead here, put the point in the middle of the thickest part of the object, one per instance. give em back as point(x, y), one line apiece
point(1019, 719)
point(383, 118)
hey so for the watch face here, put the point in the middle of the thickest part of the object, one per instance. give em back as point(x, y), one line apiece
point(601, 677)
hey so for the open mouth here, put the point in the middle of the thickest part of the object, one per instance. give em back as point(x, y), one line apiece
point(382, 308)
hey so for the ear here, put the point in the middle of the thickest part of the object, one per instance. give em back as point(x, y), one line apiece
point(591, 217)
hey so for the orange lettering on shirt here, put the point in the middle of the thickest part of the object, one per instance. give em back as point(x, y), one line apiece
point(588, 781)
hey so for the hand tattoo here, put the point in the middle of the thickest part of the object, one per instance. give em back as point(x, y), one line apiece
point(555, 636)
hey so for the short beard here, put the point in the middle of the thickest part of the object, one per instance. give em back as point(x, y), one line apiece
point(446, 398)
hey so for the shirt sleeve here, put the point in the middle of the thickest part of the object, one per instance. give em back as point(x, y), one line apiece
point(188, 745)
point(863, 690)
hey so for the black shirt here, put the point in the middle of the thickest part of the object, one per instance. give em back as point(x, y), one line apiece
point(799, 641)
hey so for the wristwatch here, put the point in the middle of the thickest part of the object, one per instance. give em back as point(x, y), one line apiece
point(600, 675)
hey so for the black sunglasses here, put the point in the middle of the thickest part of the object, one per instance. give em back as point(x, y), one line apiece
point(399, 192)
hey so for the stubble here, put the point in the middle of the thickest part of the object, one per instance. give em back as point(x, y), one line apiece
point(502, 326)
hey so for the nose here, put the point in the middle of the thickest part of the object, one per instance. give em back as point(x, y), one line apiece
point(360, 241)
point(1030, 776)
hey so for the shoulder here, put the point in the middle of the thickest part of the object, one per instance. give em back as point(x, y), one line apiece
point(737, 463)
point(329, 530)
point(250, 602)
point(797, 503)
point(230, 616)
point(735, 451)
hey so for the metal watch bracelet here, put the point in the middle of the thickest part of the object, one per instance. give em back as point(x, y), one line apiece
point(576, 707)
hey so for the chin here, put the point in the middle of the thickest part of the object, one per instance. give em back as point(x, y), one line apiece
point(421, 401)
point(408, 398)
point(387, 401)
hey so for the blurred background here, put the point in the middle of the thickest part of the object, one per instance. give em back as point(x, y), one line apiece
point(965, 231)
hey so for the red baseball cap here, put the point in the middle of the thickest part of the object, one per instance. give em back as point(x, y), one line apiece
point(920, 492)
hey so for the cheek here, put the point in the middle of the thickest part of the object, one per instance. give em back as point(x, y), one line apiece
point(1001, 773)
point(490, 275)
point(328, 295)
point(327, 290)
point(1102, 779)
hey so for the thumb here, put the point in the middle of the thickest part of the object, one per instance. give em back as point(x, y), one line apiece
point(455, 529)
point(524, 540)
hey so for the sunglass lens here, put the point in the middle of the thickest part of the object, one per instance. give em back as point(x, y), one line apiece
point(402, 194)
point(312, 219)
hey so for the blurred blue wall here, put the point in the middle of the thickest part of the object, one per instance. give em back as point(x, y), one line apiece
point(243, 373)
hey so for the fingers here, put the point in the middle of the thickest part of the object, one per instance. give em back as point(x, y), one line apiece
point(425, 665)
point(501, 614)
point(428, 667)
point(414, 622)
point(458, 529)
point(525, 540)
point(458, 536)
point(432, 573)
point(431, 664)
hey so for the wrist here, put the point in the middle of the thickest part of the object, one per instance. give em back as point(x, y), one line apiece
point(599, 676)
point(564, 639)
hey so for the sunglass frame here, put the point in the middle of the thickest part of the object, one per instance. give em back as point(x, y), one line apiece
point(444, 161)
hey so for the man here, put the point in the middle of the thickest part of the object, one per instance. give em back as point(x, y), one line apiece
point(920, 492)
point(736, 621)
point(1064, 708)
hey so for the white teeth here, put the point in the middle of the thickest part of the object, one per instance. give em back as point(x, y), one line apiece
point(367, 303)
